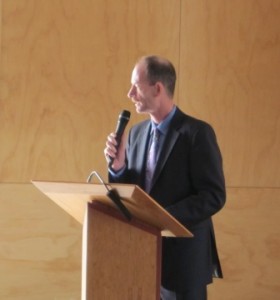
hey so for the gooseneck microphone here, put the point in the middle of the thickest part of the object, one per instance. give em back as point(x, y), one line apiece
point(113, 194)
point(122, 122)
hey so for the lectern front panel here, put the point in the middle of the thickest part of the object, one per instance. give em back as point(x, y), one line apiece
point(121, 259)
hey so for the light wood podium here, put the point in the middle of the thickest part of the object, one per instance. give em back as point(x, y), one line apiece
point(121, 258)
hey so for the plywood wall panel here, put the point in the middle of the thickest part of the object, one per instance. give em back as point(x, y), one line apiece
point(40, 247)
point(65, 73)
point(229, 76)
point(248, 233)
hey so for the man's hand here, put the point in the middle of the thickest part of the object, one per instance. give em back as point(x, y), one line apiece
point(115, 154)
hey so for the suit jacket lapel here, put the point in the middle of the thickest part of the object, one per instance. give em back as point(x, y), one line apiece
point(172, 136)
point(142, 143)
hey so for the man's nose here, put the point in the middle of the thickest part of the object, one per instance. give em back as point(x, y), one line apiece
point(131, 92)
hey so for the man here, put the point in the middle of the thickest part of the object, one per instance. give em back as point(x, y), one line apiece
point(188, 179)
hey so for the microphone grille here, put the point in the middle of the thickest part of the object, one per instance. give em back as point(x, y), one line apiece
point(125, 114)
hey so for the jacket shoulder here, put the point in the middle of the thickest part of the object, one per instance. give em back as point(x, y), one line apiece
point(139, 128)
point(184, 122)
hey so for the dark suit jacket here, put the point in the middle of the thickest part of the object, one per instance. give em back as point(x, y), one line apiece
point(189, 184)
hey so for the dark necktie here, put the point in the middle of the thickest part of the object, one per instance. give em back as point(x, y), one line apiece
point(152, 159)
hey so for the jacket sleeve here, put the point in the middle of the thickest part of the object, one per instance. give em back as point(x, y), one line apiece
point(207, 180)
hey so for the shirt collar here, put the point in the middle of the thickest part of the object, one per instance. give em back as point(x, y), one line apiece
point(163, 125)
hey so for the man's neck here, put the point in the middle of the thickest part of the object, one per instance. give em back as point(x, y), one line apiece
point(160, 115)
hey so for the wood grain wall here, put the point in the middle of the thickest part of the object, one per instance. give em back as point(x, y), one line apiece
point(64, 73)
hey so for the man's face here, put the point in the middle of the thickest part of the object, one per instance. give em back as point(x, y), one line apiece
point(141, 92)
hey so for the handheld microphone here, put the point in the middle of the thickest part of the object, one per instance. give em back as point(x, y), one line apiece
point(122, 122)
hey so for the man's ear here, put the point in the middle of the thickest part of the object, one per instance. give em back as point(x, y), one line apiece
point(158, 88)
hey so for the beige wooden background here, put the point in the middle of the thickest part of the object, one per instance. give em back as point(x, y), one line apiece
point(64, 73)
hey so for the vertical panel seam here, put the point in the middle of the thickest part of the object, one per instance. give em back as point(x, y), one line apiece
point(1, 29)
point(179, 54)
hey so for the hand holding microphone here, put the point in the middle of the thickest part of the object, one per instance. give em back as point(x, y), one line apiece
point(115, 150)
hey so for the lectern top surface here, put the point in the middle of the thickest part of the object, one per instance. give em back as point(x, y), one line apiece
point(73, 197)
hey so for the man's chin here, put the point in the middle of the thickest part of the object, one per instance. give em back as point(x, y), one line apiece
point(140, 111)
point(138, 108)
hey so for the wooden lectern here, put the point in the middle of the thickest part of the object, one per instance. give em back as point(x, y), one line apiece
point(121, 258)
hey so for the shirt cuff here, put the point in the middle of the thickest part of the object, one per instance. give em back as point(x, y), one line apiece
point(118, 173)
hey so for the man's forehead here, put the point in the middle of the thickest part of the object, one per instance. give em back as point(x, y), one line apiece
point(138, 73)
